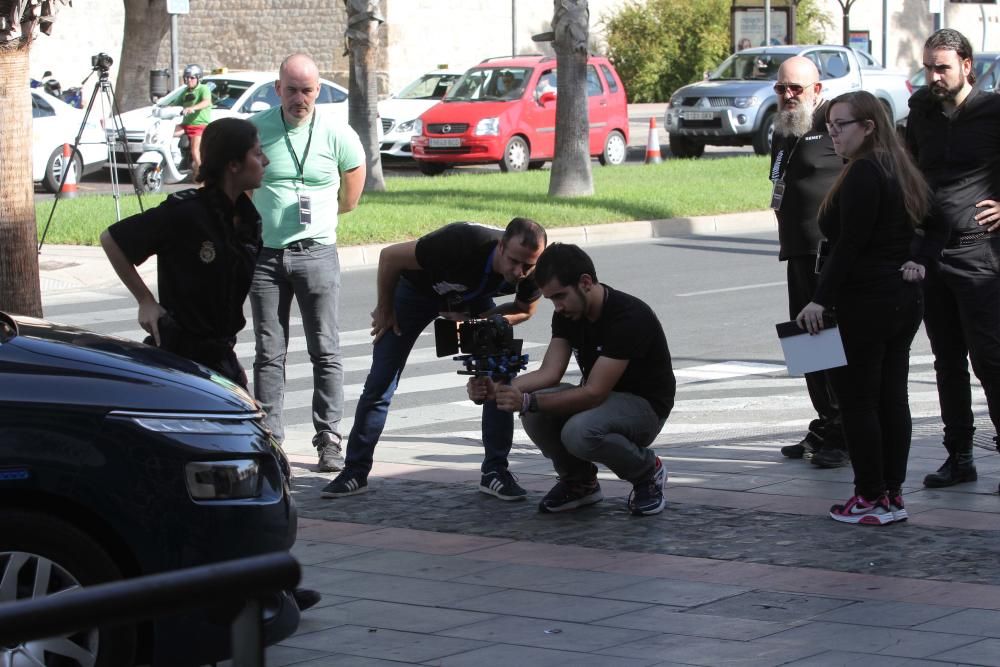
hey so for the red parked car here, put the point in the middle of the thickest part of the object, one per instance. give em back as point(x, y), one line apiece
point(504, 111)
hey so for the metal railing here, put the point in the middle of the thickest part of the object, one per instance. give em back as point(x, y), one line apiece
point(144, 598)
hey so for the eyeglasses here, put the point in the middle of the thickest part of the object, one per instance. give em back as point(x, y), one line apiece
point(794, 88)
point(837, 126)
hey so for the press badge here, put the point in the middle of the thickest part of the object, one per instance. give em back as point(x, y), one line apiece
point(777, 194)
point(305, 209)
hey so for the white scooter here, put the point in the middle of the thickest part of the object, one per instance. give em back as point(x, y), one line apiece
point(165, 152)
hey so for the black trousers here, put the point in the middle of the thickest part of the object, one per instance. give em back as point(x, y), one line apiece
point(877, 330)
point(962, 319)
point(827, 426)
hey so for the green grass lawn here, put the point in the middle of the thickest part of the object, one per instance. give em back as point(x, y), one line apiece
point(414, 206)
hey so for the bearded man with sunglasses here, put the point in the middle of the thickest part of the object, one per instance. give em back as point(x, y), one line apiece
point(804, 166)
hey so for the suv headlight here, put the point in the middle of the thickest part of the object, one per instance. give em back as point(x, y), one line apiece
point(488, 127)
point(745, 102)
point(223, 480)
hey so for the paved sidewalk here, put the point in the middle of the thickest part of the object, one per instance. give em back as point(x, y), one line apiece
point(742, 568)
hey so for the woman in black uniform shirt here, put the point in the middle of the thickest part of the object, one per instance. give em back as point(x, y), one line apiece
point(206, 241)
point(869, 217)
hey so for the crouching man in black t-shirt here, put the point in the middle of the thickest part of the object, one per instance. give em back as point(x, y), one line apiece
point(618, 409)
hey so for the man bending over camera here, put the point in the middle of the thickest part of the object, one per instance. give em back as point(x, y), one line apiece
point(620, 406)
point(453, 272)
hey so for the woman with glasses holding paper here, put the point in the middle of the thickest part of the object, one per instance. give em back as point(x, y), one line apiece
point(870, 283)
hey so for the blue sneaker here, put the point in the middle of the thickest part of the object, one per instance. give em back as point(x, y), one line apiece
point(647, 496)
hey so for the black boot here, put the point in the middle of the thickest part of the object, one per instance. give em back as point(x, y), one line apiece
point(957, 468)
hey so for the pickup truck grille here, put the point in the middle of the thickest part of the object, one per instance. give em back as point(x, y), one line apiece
point(712, 101)
point(447, 128)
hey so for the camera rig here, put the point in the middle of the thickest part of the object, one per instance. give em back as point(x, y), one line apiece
point(488, 346)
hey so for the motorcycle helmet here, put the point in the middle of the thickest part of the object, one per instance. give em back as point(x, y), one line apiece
point(193, 70)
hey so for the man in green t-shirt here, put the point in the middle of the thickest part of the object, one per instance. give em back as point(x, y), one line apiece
point(196, 101)
point(316, 171)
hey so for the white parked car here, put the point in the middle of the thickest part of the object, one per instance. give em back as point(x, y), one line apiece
point(54, 123)
point(233, 94)
point(401, 111)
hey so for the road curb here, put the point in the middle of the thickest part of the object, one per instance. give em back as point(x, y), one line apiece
point(65, 268)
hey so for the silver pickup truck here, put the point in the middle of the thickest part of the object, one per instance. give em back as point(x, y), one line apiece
point(736, 104)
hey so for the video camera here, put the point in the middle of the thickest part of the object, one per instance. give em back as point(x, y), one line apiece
point(488, 347)
point(101, 62)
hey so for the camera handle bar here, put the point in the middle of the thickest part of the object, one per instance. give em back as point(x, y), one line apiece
point(497, 367)
point(102, 89)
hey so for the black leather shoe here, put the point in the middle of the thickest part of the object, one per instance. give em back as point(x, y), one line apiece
point(830, 457)
point(803, 450)
point(957, 469)
point(306, 597)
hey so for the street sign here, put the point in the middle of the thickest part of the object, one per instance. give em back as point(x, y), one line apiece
point(178, 6)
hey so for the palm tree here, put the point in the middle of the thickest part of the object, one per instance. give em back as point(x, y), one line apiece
point(146, 24)
point(570, 176)
point(20, 23)
point(363, 21)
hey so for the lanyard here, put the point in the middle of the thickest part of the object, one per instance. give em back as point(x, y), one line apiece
point(784, 162)
point(487, 270)
point(288, 143)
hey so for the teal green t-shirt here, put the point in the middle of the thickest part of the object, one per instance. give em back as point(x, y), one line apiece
point(334, 148)
point(191, 97)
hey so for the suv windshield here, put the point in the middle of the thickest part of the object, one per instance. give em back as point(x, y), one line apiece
point(428, 87)
point(490, 83)
point(225, 92)
point(750, 66)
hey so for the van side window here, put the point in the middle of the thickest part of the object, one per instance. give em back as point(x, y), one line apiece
point(594, 87)
point(610, 78)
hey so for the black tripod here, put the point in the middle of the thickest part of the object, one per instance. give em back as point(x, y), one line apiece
point(112, 137)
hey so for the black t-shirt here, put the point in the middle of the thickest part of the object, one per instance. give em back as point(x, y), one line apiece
point(958, 155)
point(809, 166)
point(627, 329)
point(204, 262)
point(870, 235)
point(456, 264)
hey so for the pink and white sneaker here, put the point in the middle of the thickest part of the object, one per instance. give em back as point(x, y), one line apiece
point(898, 509)
point(867, 512)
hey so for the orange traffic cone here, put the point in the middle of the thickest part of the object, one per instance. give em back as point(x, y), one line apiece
point(653, 144)
point(68, 189)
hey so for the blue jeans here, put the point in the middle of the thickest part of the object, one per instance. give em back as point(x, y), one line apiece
point(312, 276)
point(414, 311)
point(617, 433)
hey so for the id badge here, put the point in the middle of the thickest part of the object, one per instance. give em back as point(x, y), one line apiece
point(777, 194)
point(305, 209)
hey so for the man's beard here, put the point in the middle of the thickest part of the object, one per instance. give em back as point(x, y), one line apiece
point(946, 94)
point(795, 121)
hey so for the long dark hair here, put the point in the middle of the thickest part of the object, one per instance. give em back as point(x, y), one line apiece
point(884, 146)
point(225, 140)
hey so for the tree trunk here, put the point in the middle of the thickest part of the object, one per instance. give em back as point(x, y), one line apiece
point(570, 176)
point(20, 291)
point(363, 21)
point(146, 25)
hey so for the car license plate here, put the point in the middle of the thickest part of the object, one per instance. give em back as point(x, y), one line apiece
point(447, 142)
point(699, 115)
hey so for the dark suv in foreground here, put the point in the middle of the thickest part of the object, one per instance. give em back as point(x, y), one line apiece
point(119, 460)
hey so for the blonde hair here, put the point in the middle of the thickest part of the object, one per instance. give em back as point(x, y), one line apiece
point(884, 146)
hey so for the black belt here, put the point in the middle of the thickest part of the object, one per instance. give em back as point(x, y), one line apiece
point(304, 244)
point(968, 238)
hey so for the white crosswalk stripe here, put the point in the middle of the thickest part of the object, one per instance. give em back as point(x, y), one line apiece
point(713, 399)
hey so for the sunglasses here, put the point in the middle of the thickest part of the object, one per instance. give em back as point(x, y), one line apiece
point(793, 88)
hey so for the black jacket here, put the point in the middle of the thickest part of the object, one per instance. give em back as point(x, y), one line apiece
point(809, 166)
point(958, 155)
